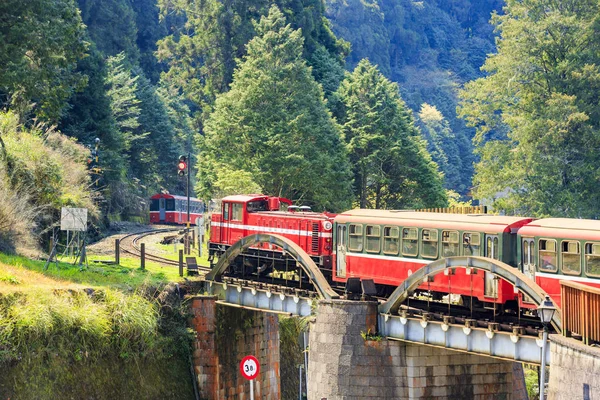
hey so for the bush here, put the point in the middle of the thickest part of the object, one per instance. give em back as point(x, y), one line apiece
point(41, 170)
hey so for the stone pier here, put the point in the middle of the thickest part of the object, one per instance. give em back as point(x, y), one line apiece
point(574, 370)
point(347, 360)
point(224, 335)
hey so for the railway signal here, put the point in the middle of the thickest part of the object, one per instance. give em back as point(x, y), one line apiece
point(182, 166)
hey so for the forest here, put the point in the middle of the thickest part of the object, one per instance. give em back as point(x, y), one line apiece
point(374, 103)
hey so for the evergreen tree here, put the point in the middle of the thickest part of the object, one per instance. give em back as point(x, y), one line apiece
point(392, 168)
point(40, 43)
point(202, 55)
point(442, 145)
point(536, 111)
point(273, 123)
point(112, 26)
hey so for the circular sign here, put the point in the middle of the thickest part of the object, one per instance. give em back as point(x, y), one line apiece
point(249, 367)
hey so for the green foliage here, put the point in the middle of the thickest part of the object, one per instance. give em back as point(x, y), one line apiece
point(430, 47)
point(291, 354)
point(536, 111)
point(111, 25)
point(273, 123)
point(392, 168)
point(203, 55)
point(368, 335)
point(40, 43)
point(443, 147)
point(42, 171)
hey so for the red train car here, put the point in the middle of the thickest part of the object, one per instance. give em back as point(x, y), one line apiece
point(244, 215)
point(555, 249)
point(172, 209)
point(388, 246)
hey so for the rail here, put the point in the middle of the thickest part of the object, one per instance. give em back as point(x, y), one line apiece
point(580, 311)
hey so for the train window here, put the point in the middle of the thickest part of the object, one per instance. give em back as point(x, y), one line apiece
point(450, 245)
point(592, 259)
point(391, 236)
point(471, 244)
point(355, 240)
point(373, 234)
point(226, 211)
point(492, 248)
point(154, 205)
point(170, 205)
point(255, 206)
point(237, 211)
point(409, 241)
point(547, 254)
point(429, 243)
point(570, 257)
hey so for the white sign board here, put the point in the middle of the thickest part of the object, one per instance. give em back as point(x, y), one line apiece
point(73, 219)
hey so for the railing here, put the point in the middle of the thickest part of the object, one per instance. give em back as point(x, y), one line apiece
point(580, 311)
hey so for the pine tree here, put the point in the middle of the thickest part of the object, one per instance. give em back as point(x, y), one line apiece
point(273, 122)
point(392, 168)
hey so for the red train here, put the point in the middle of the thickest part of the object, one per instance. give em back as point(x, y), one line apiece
point(171, 209)
point(387, 246)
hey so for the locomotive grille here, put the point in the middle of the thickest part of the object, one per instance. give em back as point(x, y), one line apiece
point(315, 238)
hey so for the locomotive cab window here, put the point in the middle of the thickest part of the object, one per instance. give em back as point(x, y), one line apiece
point(409, 241)
point(429, 243)
point(154, 205)
point(170, 205)
point(226, 211)
point(391, 236)
point(592, 259)
point(547, 255)
point(355, 239)
point(256, 206)
point(450, 246)
point(237, 211)
point(373, 234)
point(570, 257)
point(471, 244)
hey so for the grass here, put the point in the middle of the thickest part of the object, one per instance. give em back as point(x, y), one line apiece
point(19, 273)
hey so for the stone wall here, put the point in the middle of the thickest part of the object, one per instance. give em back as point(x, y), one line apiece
point(574, 370)
point(343, 365)
point(224, 335)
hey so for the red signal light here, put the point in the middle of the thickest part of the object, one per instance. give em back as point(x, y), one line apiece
point(182, 166)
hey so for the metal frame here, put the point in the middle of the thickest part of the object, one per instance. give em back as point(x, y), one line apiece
point(302, 258)
point(510, 274)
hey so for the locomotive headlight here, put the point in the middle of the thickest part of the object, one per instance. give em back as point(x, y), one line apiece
point(327, 225)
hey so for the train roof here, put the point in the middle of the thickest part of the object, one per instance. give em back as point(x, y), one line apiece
point(568, 228)
point(172, 196)
point(243, 198)
point(478, 222)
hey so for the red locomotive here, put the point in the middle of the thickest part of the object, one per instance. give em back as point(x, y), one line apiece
point(387, 246)
point(247, 214)
point(171, 209)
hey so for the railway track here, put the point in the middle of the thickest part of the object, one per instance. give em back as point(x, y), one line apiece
point(131, 244)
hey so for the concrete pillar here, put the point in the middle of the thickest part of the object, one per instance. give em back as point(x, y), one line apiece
point(574, 370)
point(225, 335)
point(343, 365)
point(347, 360)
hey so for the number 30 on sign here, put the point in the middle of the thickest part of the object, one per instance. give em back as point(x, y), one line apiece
point(249, 367)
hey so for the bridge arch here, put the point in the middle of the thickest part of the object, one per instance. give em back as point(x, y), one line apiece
point(306, 263)
point(510, 274)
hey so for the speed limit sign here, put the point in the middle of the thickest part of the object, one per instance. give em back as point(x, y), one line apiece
point(249, 367)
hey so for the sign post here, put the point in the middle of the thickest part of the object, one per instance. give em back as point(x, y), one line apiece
point(249, 367)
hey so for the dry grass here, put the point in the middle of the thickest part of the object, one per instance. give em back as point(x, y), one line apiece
point(18, 279)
